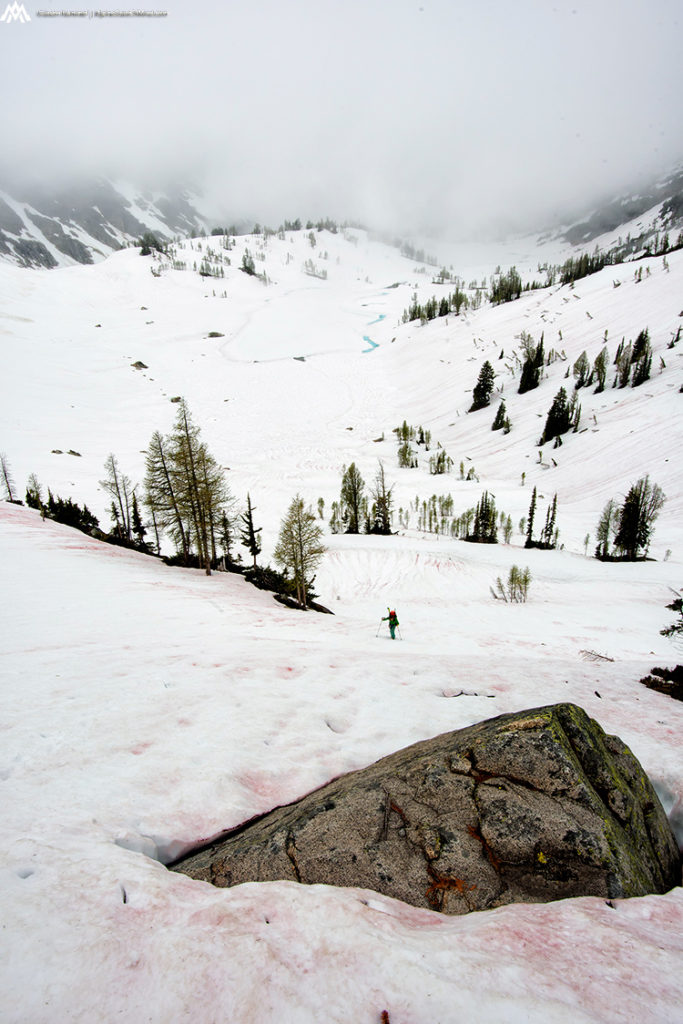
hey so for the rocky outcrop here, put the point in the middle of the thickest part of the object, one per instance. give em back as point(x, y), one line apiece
point(43, 225)
point(528, 807)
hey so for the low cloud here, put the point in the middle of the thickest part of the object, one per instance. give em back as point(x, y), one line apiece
point(411, 118)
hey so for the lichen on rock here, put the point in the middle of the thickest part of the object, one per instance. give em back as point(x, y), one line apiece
point(527, 807)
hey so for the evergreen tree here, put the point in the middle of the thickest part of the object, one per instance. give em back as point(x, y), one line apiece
point(548, 534)
point(483, 388)
point(636, 517)
point(506, 287)
point(607, 525)
point(138, 528)
point(119, 487)
point(500, 417)
point(148, 242)
point(641, 357)
point(485, 529)
point(406, 456)
point(299, 548)
point(34, 492)
point(250, 534)
point(248, 265)
point(532, 366)
point(641, 346)
point(600, 369)
point(676, 628)
point(562, 416)
point(623, 366)
point(351, 498)
point(227, 534)
point(440, 463)
point(64, 510)
point(382, 504)
point(581, 371)
point(530, 521)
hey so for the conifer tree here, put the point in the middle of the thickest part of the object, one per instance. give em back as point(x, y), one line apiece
point(581, 371)
point(485, 529)
point(636, 517)
point(248, 265)
point(119, 487)
point(6, 474)
point(34, 492)
point(623, 366)
point(202, 486)
point(137, 526)
point(299, 548)
point(483, 388)
point(562, 416)
point(162, 495)
point(532, 366)
point(607, 524)
point(500, 417)
point(250, 534)
point(382, 512)
point(600, 369)
point(351, 498)
point(641, 345)
point(641, 357)
point(530, 521)
point(676, 628)
point(185, 489)
point(547, 536)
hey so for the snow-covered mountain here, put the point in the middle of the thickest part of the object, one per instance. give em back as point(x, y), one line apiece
point(49, 226)
point(42, 226)
point(147, 708)
point(633, 219)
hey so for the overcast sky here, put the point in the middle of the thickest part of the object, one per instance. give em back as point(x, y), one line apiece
point(408, 114)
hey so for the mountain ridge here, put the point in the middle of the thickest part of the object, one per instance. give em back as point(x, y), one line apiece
point(67, 224)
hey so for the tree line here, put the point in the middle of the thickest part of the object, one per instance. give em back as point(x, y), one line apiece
point(188, 501)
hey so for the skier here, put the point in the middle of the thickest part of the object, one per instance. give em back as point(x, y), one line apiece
point(392, 619)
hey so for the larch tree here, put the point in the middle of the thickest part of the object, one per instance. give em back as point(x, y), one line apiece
point(6, 474)
point(119, 487)
point(185, 489)
point(161, 495)
point(299, 547)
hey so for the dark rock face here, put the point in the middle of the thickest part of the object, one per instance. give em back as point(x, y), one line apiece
point(87, 220)
point(528, 807)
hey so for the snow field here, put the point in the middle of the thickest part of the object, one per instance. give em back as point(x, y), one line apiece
point(145, 709)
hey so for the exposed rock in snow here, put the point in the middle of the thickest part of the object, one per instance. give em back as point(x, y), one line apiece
point(527, 807)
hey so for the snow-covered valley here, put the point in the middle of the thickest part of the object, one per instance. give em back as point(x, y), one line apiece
point(147, 708)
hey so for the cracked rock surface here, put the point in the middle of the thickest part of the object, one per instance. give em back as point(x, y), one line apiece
point(528, 807)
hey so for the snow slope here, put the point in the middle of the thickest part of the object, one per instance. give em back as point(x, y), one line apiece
point(145, 709)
